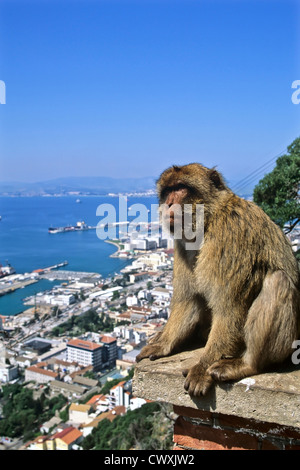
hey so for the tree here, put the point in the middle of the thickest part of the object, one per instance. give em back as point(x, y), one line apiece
point(144, 428)
point(278, 192)
point(22, 414)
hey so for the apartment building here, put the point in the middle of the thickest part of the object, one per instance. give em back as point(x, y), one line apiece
point(86, 353)
point(110, 350)
point(119, 395)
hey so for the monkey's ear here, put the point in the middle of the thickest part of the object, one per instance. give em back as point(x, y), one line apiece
point(216, 179)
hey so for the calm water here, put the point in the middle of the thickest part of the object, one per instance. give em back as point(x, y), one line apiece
point(26, 244)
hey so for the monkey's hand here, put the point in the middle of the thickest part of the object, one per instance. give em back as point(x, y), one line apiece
point(198, 381)
point(153, 351)
point(155, 338)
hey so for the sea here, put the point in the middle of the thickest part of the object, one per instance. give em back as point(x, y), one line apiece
point(26, 244)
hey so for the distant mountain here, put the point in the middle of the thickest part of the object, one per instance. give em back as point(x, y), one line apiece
point(97, 185)
point(93, 185)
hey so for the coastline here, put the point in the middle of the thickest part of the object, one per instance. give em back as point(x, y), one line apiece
point(21, 215)
point(117, 245)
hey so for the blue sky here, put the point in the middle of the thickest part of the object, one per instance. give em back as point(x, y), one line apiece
point(127, 88)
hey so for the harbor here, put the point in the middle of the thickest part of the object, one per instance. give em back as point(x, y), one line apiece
point(12, 282)
point(12, 286)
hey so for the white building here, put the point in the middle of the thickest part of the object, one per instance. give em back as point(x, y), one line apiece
point(124, 332)
point(136, 403)
point(144, 295)
point(8, 372)
point(131, 300)
point(162, 295)
point(85, 353)
point(40, 375)
point(106, 294)
point(79, 413)
point(119, 396)
point(150, 262)
point(59, 299)
point(139, 337)
point(137, 277)
point(85, 283)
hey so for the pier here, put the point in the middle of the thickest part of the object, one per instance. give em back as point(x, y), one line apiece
point(51, 268)
point(68, 275)
point(8, 288)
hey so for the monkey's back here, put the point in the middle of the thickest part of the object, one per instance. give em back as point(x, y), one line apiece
point(241, 245)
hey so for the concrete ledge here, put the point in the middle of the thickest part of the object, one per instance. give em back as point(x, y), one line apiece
point(272, 397)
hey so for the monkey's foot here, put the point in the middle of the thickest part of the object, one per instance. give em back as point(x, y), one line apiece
point(230, 369)
point(198, 381)
point(153, 351)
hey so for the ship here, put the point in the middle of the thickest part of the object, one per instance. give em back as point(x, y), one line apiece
point(6, 270)
point(70, 228)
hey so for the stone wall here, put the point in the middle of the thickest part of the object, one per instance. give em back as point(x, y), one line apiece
point(258, 413)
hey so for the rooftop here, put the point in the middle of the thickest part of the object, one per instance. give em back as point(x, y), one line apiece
point(120, 384)
point(83, 344)
point(39, 370)
point(68, 435)
point(108, 339)
point(37, 345)
point(80, 407)
point(96, 399)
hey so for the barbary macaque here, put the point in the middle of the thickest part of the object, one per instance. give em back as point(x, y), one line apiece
point(239, 291)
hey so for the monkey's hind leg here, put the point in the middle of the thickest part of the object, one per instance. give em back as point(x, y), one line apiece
point(270, 329)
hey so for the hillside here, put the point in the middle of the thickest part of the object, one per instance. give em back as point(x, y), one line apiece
point(97, 185)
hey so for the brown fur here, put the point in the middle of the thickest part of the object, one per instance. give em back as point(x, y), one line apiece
point(240, 290)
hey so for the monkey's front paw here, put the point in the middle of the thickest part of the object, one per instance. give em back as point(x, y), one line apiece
point(198, 381)
point(153, 351)
point(230, 369)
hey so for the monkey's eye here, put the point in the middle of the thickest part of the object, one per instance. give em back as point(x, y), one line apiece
point(173, 189)
point(180, 186)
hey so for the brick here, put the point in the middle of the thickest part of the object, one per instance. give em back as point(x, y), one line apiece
point(206, 437)
point(272, 429)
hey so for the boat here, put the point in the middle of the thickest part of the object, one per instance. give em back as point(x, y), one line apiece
point(70, 228)
point(6, 270)
point(56, 229)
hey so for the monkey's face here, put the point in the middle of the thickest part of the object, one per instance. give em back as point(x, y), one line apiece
point(171, 208)
point(181, 189)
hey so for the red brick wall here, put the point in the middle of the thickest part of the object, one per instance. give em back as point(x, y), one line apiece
point(204, 430)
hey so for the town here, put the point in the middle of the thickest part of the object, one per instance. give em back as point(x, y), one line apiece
point(76, 343)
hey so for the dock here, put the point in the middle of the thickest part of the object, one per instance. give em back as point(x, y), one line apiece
point(51, 268)
point(68, 275)
point(8, 289)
